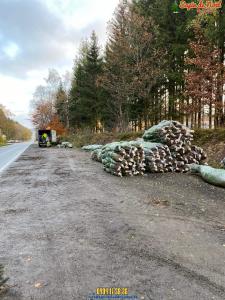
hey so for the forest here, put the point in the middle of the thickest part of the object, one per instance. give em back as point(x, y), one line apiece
point(159, 62)
point(11, 129)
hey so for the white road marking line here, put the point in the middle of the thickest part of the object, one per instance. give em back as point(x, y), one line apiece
point(12, 160)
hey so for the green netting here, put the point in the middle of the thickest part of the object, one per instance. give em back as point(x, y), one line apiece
point(209, 174)
point(91, 147)
point(154, 134)
point(165, 147)
point(123, 158)
point(96, 155)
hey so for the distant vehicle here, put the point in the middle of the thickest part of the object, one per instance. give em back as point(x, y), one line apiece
point(46, 138)
point(14, 141)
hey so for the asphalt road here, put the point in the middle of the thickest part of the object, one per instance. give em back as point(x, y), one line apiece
point(67, 227)
point(9, 153)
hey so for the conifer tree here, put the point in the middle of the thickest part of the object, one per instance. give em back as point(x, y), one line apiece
point(85, 95)
point(61, 106)
point(116, 77)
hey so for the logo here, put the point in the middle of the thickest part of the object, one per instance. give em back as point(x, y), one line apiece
point(105, 293)
point(206, 6)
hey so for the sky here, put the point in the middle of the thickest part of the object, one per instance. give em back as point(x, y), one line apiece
point(36, 35)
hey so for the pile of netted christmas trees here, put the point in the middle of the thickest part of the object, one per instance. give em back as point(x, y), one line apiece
point(166, 147)
point(174, 149)
point(122, 158)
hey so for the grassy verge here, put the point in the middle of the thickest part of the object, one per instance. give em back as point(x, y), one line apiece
point(2, 141)
point(205, 136)
point(213, 142)
point(82, 139)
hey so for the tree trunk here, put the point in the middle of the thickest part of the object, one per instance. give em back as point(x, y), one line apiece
point(210, 114)
point(220, 82)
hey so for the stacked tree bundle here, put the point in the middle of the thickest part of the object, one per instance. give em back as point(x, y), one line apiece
point(123, 158)
point(176, 148)
point(96, 155)
point(158, 157)
point(187, 155)
point(166, 147)
point(169, 133)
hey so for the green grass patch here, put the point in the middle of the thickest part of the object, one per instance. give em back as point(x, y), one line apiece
point(204, 136)
point(213, 142)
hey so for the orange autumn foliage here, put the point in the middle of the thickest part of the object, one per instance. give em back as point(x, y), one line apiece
point(43, 114)
point(56, 125)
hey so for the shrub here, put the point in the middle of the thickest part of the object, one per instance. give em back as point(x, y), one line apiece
point(2, 141)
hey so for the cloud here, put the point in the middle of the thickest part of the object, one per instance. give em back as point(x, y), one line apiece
point(11, 50)
point(16, 93)
point(34, 35)
point(31, 37)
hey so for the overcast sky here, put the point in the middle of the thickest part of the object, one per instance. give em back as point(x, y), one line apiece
point(36, 35)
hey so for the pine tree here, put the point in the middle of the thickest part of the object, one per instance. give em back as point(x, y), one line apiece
point(146, 64)
point(132, 66)
point(61, 106)
point(85, 95)
point(116, 78)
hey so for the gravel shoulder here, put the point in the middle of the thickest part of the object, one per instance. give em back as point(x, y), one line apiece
point(67, 227)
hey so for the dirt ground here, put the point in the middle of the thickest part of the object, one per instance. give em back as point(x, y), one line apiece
point(67, 227)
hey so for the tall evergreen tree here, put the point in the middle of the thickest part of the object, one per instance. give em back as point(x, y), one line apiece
point(61, 106)
point(116, 77)
point(132, 66)
point(85, 94)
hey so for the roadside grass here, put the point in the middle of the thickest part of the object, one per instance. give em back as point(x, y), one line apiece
point(213, 142)
point(87, 138)
point(2, 141)
point(204, 136)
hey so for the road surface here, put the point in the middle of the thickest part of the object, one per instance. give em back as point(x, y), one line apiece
point(9, 153)
point(67, 227)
